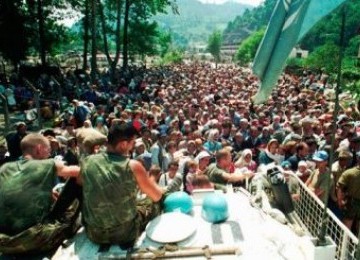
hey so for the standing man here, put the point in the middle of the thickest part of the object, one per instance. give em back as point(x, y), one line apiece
point(317, 181)
point(13, 141)
point(348, 194)
point(30, 222)
point(112, 214)
point(158, 150)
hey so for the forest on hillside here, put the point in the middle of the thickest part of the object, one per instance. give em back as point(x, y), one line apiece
point(196, 21)
point(328, 29)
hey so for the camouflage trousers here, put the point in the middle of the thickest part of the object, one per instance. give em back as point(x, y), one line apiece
point(62, 222)
point(146, 211)
point(352, 210)
point(40, 238)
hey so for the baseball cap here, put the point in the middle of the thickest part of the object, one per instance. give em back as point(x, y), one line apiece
point(320, 156)
point(285, 164)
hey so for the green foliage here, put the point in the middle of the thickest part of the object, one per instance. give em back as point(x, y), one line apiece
point(354, 89)
point(325, 56)
point(19, 26)
point(295, 62)
point(164, 43)
point(248, 47)
point(13, 34)
point(196, 20)
point(252, 20)
point(328, 29)
point(353, 47)
point(172, 57)
point(214, 45)
point(143, 38)
point(140, 34)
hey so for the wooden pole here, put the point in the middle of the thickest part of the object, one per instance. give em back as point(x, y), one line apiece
point(204, 252)
point(322, 233)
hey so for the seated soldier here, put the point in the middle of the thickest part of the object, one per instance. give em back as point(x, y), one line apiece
point(112, 214)
point(30, 222)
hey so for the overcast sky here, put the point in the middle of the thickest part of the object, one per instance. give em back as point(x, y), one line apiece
point(250, 2)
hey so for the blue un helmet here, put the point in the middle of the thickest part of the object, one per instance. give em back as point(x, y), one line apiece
point(178, 201)
point(215, 208)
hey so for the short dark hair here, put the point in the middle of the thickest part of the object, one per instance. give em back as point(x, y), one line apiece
point(173, 163)
point(121, 132)
point(226, 125)
point(300, 146)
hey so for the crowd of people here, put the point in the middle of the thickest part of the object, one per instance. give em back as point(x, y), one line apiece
point(182, 128)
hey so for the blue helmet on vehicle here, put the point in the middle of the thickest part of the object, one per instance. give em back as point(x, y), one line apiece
point(215, 208)
point(178, 201)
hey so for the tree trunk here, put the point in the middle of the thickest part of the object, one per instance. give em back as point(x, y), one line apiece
point(93, 41)
point(40, 17)
point(126, 27)
point(86, 35)
point(117, 40)
point(104, 32)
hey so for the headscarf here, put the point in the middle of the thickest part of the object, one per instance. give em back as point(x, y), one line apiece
point(241, 162)
point(276, 157)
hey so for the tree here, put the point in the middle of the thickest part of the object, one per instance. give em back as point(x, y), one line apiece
point(325, 56)
point(249, 22)
point(41, 25)
point(13, 34)
point(164, 43)
point(140, 34)
point(144, 37)
point(112, 61)
point(126, 28)
point(172, 57)
point(45, 29)
point(86, 33)
point(214, 45)
point(93, 4)
point(247, 49)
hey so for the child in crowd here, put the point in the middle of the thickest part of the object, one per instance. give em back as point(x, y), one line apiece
point(303, 171)
point(155, 173)
point(189, 175)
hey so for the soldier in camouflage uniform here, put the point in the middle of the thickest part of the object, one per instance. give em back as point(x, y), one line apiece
point(349, 194)
point(112, 214)
point(26, 200)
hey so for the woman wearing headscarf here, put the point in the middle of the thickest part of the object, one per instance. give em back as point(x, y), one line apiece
point(194, 177)
point(212, 145)
point(246, 161)
point(270, 154)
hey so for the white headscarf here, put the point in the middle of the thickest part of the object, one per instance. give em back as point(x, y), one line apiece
point(241, 162)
